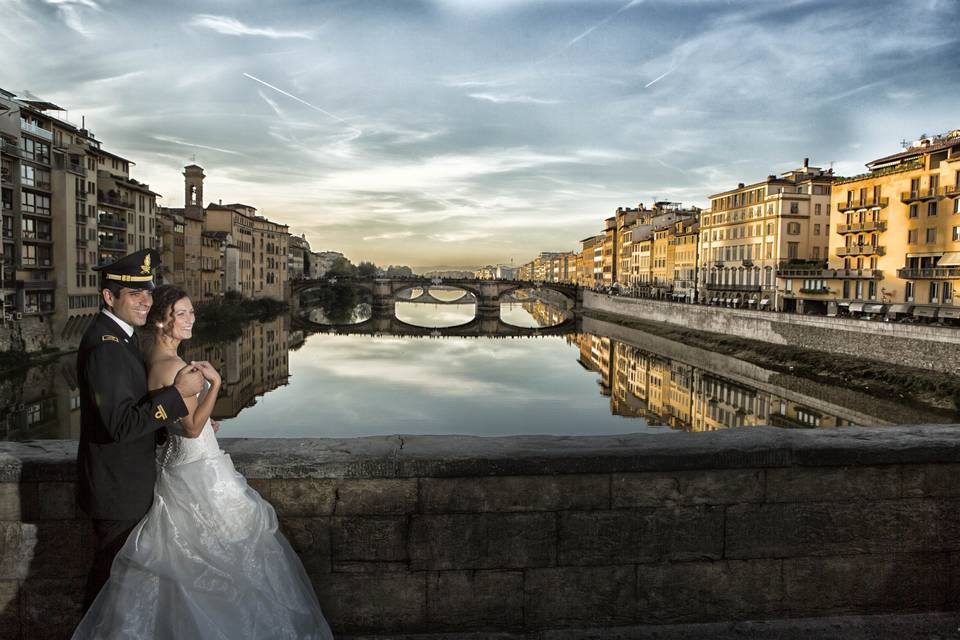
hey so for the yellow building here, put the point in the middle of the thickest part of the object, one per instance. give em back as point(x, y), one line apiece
point(591, 262)
point(686, 245)
point(754, 231)
point(661, 260)
point(895, 246)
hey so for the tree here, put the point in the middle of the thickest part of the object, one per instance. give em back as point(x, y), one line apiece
point(366, 270)
point(341, 268)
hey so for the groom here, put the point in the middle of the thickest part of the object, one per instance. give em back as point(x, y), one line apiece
point(118, 417)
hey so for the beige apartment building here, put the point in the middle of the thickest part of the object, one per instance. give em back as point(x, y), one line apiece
point(755, 230)
point(591, 262)
point(68, 204)
point(684, 258)
point(895, 241)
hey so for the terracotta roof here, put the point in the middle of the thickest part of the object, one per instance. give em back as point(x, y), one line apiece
point(952, 139)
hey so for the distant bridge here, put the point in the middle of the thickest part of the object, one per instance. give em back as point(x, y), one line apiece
point(479, 327)
point(487, 294)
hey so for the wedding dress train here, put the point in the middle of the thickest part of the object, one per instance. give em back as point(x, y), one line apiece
point(206, 562)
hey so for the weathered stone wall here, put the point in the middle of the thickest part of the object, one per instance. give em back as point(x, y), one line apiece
point(914, 345)
point(539, 537)
point(31, 334)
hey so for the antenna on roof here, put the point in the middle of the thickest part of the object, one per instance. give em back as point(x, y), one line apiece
point(904, 144)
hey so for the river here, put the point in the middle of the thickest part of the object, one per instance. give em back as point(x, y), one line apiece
point(281, 381)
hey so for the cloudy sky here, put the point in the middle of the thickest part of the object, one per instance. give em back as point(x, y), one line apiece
point(461, 132)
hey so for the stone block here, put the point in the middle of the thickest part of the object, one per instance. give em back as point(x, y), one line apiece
point(9, 609)
point(647, 535)
point(784, 530)
point(310, 538)
point(706, 487)
point(515, 493)
point(18, 501)
point(361, 603)
point(57, 500)
point(302, 497)
point(449, 541)
point(930, 480)
point(482, 541)
point(520, 540)
point(579, 596)
point(376, 497)
point(475, 600)
point(51, 608)
point(866, 584)
point(684, 592)
point(369, 539)
point(822, 484)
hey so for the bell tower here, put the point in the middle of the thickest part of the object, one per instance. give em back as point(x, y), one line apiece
point(193, 188)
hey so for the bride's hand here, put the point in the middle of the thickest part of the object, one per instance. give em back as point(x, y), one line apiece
point(208, 372)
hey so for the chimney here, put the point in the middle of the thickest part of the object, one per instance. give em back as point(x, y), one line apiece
point(806, 162)
point(740, 185)
point(219, 200)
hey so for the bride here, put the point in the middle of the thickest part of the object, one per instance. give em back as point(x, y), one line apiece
point(207, 561)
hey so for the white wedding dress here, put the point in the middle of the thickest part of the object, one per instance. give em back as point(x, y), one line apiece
point(206, 562)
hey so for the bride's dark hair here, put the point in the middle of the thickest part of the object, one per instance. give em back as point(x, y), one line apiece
point(164, 297)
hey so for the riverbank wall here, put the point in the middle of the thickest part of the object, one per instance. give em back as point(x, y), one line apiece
point(927, 347)
point(540, 537)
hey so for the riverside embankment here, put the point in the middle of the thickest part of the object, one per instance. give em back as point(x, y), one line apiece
point(537, 537)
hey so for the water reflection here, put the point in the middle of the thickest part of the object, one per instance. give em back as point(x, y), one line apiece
point(425, 314)
point(282, 383)
point(336, 304)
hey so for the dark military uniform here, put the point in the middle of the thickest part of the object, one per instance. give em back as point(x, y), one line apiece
point(119, 424)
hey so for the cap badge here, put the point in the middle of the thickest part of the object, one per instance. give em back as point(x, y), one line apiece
point(145, 267)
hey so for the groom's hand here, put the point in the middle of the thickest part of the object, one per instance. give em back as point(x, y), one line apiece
point(215, 425)
point(189, 381)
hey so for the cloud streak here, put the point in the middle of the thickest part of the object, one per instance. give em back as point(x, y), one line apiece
point(227, 26)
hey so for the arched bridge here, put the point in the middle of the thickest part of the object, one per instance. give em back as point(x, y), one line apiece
point(479, 327)
point(488, 294)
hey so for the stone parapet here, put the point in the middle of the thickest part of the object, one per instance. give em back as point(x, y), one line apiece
point(916, 345)
point(556, 537)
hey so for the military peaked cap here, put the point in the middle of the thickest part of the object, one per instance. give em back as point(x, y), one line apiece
point(134, 271)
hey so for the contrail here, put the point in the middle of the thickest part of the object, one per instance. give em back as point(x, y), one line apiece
point(302, 101)
point(610, 17)
point(658, 78)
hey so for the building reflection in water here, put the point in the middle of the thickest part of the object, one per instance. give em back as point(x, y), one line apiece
point(642, 384)
point(250, 366)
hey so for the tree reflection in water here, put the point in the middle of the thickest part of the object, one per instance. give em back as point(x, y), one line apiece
point(338, 303)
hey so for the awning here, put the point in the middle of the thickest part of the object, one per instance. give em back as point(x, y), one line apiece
point(765, 301)
point(950, 259)
point(926, 312)
point(950, 312)
point(900, 308)
point(843, 304)
point(856, 306)
point(874, 308)
point(715, 300)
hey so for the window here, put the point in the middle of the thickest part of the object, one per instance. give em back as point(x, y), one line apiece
point(909, 292)
point(793, 250)
point(793, 228)
point(34, 203)
point(818, 209)
point(816, 229)
point(816, 253)
point(914, 210)
point(956, 205)
point(912, 236)
point(934, 289)
point(794, 207)
point(932, 208)
point(956, 234)
point(846, 288)
point(948, 292)
point(872, 289)
point(859, 289)
point(931, 235)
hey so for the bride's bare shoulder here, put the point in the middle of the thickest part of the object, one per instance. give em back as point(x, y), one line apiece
point(163, 371)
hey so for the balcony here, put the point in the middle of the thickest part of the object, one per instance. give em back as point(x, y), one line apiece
point(82, 266)
point(33, 285)
point(859, 227)
point(935, 193)
point(36, 184)
point(82, 242)
point(112, 245)
point(34, 130)
point(823, 274)
point(869, 203)
point(952, 190)
point(36, 263)
point(33, 211)
point(861, 250)
point(82, 219)
point(934, 273)
point(33, 236)
point(10, 148)
point(817, 291)
point(112, 222)
point(113, 200)
point(716, 286)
